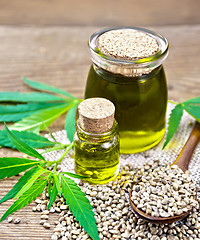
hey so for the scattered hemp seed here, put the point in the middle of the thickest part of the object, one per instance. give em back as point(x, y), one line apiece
point(10, 219)
point(17, 220)
point(34, 209)
point(45, 217)
point(46, 225)
point(115, 219)
point(42, 222)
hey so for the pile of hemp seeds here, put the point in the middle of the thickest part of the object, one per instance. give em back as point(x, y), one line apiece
point(115, 219)
point(165, 192)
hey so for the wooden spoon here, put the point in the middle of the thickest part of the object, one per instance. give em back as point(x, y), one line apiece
point(182, 161)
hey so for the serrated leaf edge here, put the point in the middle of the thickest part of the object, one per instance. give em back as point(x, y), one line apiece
point(94, 233)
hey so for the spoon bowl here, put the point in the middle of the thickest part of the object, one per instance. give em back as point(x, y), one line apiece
point(160, 220)
point(182, 162)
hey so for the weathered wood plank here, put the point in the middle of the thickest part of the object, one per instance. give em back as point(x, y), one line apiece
point(99, 13)
point(29, 227)
point(59, 56)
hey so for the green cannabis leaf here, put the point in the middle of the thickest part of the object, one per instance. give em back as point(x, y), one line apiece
point(34, 191)
point(22, 146)
point(80, 206)
point(48, 88)
point(174, 120)
point(192, 106)
point(21, 182)
point(33, 182)
point(57, 182)
point(12, 166)
point(52, 196)
point(49, 187)
point(73, 175)
point(32, 139)
point(14, 113)
point(70, 122)
point(34, 112)
point(29, 97)
point(40, 120)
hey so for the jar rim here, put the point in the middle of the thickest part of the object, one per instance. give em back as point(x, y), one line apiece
point(150, 61)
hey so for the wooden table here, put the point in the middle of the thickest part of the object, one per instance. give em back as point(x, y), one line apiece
point(58, 55)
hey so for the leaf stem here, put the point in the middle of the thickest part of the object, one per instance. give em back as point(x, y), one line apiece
point(57, 147)
point(61, 158)
point(170, 101)
point(49, 132)
point(65, 153)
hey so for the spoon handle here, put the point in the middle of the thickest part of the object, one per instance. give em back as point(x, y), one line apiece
point(185, 155)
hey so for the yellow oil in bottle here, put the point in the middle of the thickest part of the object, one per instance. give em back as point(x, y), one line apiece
point(96, 141)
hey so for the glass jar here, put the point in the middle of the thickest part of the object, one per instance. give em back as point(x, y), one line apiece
point(96, 155)
point(137, 88)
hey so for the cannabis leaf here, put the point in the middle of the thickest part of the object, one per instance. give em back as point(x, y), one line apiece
point(45, 87)
point(73, 175)
point(52, 196)
point(34, 191)
point(39, 112)
point(22, 146)
point(174, 120)
point(29, 97)
point(21, 182)
point(57, 182)
point(79, 205)
point(192, 106)
point(32, 139)
point(193, 101)
point(39, 121)
point(12, 166)
point(31, 181)
point(14, 113)
point(49, 187)
point(70, 121)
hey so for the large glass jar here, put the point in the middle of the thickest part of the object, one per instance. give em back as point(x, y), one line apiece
point(138, 89)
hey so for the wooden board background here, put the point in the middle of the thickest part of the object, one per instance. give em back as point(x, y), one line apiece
point(46, 41)
point(99, 13)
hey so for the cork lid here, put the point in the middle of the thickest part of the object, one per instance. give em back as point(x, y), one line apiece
point(129, 51)
point(127, 44)
point(96, 115)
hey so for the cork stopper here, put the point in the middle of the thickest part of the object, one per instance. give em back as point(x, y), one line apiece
point(127, 44)
point(96, 115)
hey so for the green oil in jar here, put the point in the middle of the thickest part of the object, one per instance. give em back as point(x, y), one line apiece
point(140, 105)
point(127, 69)
point(96, 145)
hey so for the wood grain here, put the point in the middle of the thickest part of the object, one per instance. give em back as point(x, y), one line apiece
point(99, 13)
point(29, 227)
point(59, 56)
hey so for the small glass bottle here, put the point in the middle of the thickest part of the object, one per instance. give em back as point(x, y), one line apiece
point(127, 69)
point(96, 141)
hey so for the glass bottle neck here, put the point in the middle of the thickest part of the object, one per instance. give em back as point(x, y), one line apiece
point(113, 131)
